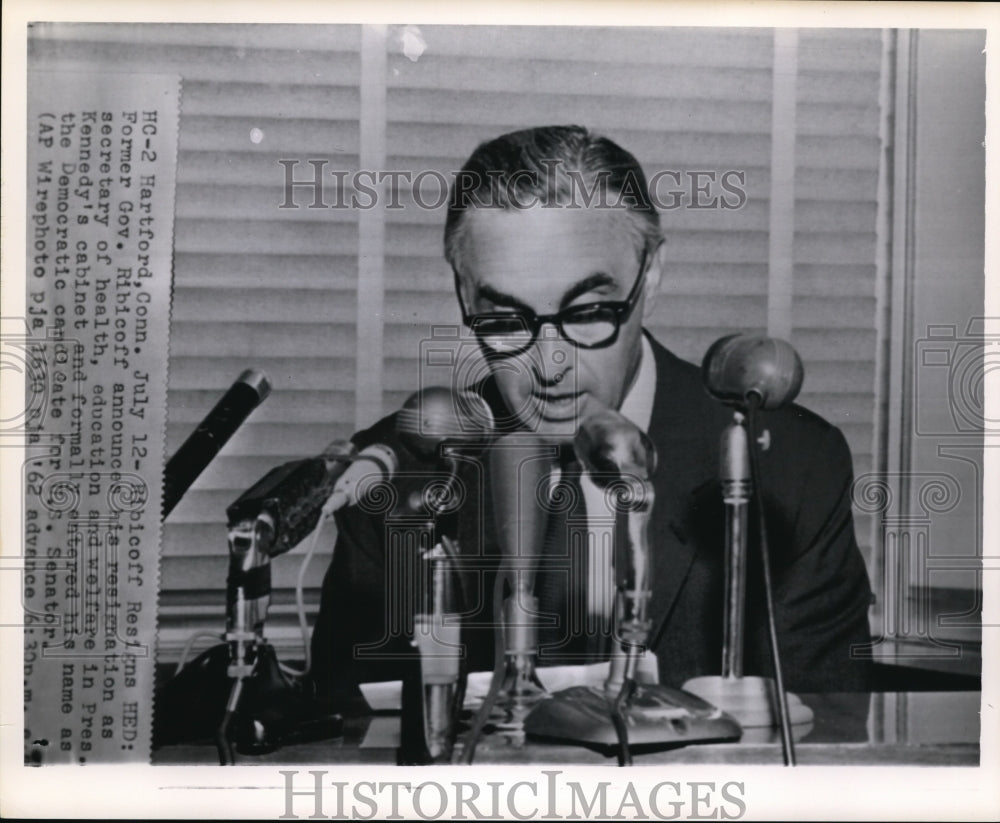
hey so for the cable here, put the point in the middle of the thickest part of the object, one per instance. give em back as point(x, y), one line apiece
point(787, 745)
point(618, 720)
point(189, 644)
point(300, 605)
point(223, 744)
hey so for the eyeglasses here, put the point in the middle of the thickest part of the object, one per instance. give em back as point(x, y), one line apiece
point(587, 326)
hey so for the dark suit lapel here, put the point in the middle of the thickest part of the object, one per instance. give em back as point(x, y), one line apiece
point(677, 429)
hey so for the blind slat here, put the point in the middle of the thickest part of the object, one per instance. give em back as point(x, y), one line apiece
point(668, 49)
point(238, 165)
point(287, 373)
point(259, 438)
point(261, 203)
point(233, 35)
point(219, 64)
point(289, 406)
point(262, 236)
point(236, 474)
point(262, 340)
point(270, 100)
point(207, 270)
point(678, 149)
point(282, 306)
point(298, 138)
point(834, 312)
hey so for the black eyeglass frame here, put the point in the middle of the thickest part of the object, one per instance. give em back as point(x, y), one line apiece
point(621, 311)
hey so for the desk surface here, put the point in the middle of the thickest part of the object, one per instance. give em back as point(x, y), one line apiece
point(919, 728)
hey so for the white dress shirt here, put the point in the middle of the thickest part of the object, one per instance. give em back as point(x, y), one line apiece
point(638, 408)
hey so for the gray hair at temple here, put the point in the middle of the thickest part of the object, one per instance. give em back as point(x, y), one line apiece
point(552, 166)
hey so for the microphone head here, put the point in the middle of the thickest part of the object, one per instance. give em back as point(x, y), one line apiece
point(258, 381)
point(608, 443)
point(438, 416)
point(740, 366)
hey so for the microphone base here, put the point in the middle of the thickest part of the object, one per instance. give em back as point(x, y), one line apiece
point(753, 701)
point(519, 693)
point(273, 710)
point(656, 716)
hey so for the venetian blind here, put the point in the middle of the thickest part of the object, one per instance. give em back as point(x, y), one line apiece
point(255, 285)
point(833, 310)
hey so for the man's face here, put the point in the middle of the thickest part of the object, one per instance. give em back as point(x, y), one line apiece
point(546, 260)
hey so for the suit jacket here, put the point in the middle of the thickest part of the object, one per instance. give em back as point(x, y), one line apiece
point(820, 582)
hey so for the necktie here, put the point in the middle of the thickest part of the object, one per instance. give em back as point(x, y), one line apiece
point(561, 580)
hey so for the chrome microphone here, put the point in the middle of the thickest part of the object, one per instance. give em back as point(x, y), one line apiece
point(611, 446)
point(621, 459)
point(438, 425)
point(520, 467)
point(437, 418)
point(740, 367)
point(751, 373)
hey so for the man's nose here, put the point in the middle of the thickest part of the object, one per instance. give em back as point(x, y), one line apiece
point(552, 355)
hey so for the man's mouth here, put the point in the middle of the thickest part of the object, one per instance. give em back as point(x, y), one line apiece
point(557, 404)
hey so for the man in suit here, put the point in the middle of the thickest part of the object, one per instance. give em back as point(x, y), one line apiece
point(557, 254)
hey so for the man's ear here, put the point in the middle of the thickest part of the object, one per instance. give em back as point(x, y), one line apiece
point(655, 268)
point(463, 290)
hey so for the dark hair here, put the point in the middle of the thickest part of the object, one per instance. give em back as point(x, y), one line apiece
point(555, 166)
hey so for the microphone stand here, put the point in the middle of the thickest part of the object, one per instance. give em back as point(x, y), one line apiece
point(268, 708)
point(520, 466)
point(520, 688)
point(758, 703)
point(248, 598)
point(624, 711)
point(241, 679)
point(433, 691)
point(736, 498)
point(437, 424)
point(527, 463)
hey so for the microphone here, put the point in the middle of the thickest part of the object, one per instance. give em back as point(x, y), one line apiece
point(609, 444)
point(739, 367)
point(434, 424)
point(519, 469)
point(621, 458)
point(438, 417)
point(376, 463)
point(749, 372)
point(249, 391)
point(288, 500)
